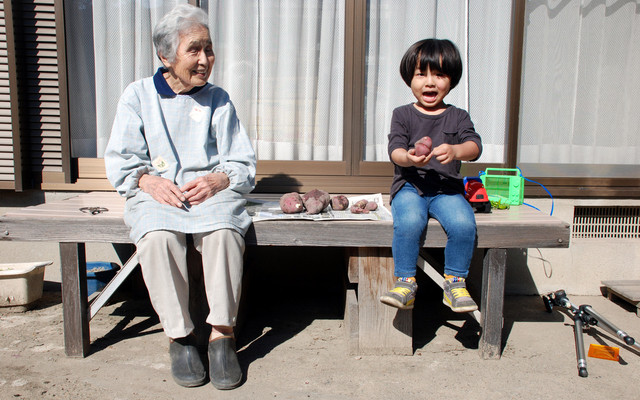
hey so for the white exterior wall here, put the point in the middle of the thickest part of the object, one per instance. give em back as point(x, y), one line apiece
point(580, 268)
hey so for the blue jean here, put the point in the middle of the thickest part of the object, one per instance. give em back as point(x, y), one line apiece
point(411, 213)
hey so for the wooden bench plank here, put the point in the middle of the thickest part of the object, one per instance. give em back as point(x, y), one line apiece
point(627, 290)
point(518, 227)
point(624, 282)
point(111, 228)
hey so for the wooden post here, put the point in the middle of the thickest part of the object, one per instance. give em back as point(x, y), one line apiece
point(75, 306)
point(351, 322)
point(493, 279)
point(382, 329)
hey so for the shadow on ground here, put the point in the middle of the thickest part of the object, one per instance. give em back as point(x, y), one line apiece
point(285, 291)
point(129, 310)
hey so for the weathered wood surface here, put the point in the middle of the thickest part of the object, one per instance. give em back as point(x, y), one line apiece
point(75, 309)
point(351, 321)
point(376, 335)
point(627, 290)
point(519, 227)
point(492, 303)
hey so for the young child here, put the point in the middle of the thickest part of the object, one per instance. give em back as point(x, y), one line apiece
point(430, 185)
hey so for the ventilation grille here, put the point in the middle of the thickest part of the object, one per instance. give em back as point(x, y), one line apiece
point(614, 222)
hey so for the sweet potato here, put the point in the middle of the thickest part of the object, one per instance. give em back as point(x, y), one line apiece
point(361, 203)
point(360, 207)
point(291, 203)
point(315, 201)
point(358, 210)
point(423, 146)
point(339, 202)
point(371, 206)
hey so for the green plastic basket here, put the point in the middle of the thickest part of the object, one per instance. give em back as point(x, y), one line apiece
point(504, 184)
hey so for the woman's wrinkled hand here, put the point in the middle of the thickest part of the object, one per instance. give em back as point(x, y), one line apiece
point(162, 190)
point(200, 189)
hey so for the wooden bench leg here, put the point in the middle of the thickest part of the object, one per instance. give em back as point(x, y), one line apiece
point(493, 279)
point(74, 299)
point(381, 329)
point(101, 299)
point(351, 322)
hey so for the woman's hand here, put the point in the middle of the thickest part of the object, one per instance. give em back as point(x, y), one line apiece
point(204, 187)
point(162, 190)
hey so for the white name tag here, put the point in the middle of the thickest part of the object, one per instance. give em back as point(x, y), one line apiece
point(197, 114)
point(160, 164)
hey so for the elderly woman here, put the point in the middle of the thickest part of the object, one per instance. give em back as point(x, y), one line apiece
point(179, 155)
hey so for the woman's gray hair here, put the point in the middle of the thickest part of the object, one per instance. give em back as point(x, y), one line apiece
point(166, 35)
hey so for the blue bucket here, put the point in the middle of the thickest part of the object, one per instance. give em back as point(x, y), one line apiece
point(99, 273)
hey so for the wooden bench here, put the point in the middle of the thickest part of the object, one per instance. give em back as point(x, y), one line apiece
point(373, 328)
point(627, 290)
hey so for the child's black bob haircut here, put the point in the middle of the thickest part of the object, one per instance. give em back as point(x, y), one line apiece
point(438, 54)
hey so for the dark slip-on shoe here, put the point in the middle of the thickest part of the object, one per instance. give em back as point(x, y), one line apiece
point(224, 369)
point(186, 365)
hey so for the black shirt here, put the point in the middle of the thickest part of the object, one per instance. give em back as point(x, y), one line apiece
point(453, 126)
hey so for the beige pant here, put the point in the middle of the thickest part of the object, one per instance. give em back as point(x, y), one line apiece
point(163, 258)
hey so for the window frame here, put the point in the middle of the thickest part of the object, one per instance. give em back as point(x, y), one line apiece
point(353, 174)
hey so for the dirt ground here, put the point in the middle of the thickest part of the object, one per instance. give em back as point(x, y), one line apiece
point(293, 346)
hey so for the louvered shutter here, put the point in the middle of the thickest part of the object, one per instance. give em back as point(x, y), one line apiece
point(42, 132)
point(7, 172)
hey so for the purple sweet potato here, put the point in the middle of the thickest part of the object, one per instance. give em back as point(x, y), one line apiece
point(339, 202)
point(358, 210)
point(291, 203)
point(360, 203)
point(371, 206)
point(315, 201)
point(360, 207)
point(423, 146)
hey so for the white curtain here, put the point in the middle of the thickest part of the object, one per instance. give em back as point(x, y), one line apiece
point(282, 62)
point(482, 33)
point(581, 83)
point(123, 52)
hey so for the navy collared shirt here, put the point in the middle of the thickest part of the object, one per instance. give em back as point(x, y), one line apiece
point(163, 87)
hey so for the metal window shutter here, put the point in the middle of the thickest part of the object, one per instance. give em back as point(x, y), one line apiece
point(42, 132)
point(6, 135)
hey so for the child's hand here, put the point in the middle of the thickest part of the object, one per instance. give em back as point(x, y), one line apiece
point(445, 153)
point(418, 161)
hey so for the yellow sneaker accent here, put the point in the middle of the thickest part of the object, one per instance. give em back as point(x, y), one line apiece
point(401, 296)
point(460, 292)
point(457, 297)
point(402, 291)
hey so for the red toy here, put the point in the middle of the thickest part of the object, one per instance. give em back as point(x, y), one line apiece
point(476, 194)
